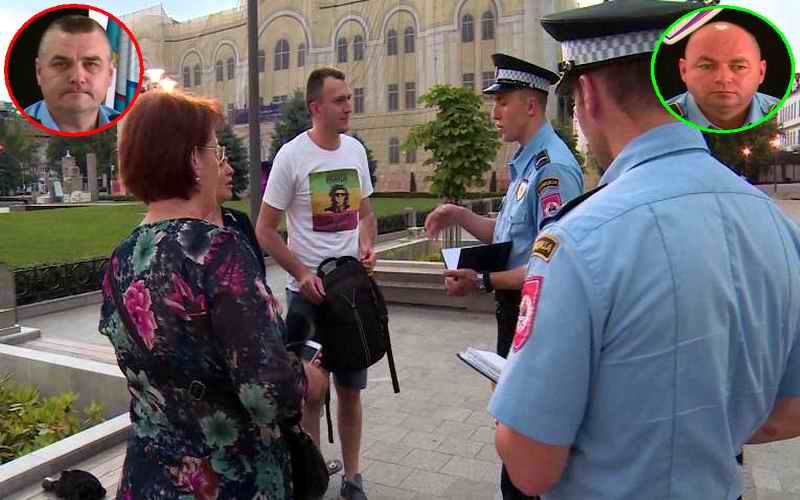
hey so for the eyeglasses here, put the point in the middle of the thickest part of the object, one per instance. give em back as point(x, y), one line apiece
point(219, 151)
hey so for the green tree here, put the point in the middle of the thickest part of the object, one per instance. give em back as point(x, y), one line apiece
point(293, 121)
point(17, 152)
point(462, 140)
point(567, 133)
point(103, 145)
point(237, 157)
point(729, 149)
point(371, 161)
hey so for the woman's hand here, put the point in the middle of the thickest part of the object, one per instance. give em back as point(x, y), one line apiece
point(316, 380)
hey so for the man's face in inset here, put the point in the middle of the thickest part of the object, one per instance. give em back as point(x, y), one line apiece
point(722, 69)
point(74, 71)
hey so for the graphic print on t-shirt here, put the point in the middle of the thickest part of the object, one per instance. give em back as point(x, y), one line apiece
point(335, 199)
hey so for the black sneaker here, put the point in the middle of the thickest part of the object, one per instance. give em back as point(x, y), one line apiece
point(353, 489)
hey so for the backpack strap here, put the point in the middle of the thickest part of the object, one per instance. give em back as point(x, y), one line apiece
point(384, 311)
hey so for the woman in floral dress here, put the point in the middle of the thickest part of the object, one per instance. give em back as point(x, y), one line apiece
point(211, 383)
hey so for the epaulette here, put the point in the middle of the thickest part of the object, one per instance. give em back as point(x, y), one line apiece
point(572, 204)
point(541, 159)
point(677, 108)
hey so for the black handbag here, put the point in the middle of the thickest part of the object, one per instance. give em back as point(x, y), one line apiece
point(309, 470)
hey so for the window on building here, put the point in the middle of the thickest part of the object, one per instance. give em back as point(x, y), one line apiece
point(467, 28)
point(487, 79)
point(281, 55)
point(487, 26)
point(231, 109)
point(411, 156)
point(409, 40)
point(231, 68)
point(391, 43)
point(218, 71)
point(341, 50)
point(260, 102)
point(394, 150)
point(262, 60)
point(187, 79)
point(393, 97)
point(411, 95)
point(468, 81)
point(198, 75)
point(280, 99)
point(301, 55)
point(358, 100)
point(358, 48)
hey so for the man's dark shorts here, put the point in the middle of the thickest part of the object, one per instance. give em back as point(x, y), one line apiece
point(301, 326)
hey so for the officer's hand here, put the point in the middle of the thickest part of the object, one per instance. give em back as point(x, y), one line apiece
point(459, 282)
point(311, 288)
point(368, 258)
point(439, 219)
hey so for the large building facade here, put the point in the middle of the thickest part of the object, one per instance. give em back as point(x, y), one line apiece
point(392, 51)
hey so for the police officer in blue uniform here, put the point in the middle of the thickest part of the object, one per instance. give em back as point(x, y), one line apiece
point(660, 319)
point(544, 175)
point(686, 107)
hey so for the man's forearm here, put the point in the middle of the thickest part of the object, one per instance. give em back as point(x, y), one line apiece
point(271, 241)
point(509, 280)
point(477, 225)
point(368, 231)
point(783, 423)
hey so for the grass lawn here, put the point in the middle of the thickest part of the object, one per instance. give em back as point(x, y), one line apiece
point(70, 234)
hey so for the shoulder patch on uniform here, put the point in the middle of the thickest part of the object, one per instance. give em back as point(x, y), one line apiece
point(676, 107)
point(527, 311)
point(541, 159)
point(544, 247)
point(547, 183)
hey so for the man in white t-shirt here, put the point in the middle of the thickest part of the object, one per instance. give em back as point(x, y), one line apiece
point(321, 180)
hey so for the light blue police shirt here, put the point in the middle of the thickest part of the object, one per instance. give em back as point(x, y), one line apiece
point(544, 176)
point(665, 326)
point(40, 113)
point(685, 105)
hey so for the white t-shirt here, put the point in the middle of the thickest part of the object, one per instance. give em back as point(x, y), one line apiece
point(321, 193)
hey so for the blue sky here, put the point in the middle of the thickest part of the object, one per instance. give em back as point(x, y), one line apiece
point(778, 11)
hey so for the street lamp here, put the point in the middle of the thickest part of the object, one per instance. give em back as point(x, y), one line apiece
point(746, 152)
point(775, 143)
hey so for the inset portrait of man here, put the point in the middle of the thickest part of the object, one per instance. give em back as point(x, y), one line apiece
point(723, 69)
point(74, 70)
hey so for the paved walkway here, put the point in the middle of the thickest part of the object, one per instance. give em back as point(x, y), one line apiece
point(435, 439)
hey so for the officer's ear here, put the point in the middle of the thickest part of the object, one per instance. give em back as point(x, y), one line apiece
point(762, 69)
point(682, 67)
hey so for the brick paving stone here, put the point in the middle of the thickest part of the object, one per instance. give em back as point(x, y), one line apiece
point(460, 446)
point(385, 433)
point(428, 483)
point(424, 424)
point(448, 428)
point(426, 460)
point(452, 413)
point(469, 468)
point(488, 454)
point(388, 452)
point(386, 474)
point(483, 435)
point(423, 440)
point(466, 489)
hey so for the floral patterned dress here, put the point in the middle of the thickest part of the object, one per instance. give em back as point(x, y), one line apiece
point(209, 377)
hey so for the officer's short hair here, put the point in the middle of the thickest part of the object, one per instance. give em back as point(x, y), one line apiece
point(74, 24)
point(628, 83)
point(316, 80)
point(541, 97)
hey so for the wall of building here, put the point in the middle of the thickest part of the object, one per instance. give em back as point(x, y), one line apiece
point(323, 32)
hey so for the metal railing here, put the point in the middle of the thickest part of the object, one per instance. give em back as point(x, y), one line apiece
point(52, 281)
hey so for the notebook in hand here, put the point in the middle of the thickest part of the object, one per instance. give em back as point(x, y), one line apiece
point(481, 258)
point(488, 363)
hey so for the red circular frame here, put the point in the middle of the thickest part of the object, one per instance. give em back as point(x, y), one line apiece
point(88, 132)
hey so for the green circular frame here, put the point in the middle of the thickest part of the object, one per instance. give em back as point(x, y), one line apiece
point(692, 124)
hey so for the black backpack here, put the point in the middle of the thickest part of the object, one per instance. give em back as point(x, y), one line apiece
point(353, 321)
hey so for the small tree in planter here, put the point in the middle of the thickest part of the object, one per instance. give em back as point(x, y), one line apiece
point(462, 140)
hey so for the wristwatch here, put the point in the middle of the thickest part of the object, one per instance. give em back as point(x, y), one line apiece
point(485, 282)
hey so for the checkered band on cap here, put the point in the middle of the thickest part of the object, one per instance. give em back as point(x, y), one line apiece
point(603, 48)
point(531, 80)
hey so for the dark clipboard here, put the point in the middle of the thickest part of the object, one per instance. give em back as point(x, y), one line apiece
point(481, 258)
